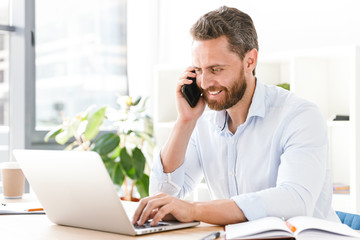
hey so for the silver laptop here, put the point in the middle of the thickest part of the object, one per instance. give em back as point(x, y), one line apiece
point(75, 190)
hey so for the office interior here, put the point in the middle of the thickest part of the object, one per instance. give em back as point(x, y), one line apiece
point(57, 58)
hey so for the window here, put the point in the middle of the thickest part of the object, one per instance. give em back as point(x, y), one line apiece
point(4, 76)
point(4, 71)
point(4, 12)
point(73, 57)
point(4, 82)
point(80, 57)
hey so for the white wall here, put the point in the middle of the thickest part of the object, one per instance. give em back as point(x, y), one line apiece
point(159, 29)
point(142, 48)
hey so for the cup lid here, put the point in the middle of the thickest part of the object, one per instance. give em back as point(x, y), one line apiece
point(9, 165)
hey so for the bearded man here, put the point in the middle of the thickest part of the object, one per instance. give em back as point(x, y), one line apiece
point(262, 150)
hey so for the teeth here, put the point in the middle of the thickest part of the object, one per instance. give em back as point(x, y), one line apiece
point(214, 93)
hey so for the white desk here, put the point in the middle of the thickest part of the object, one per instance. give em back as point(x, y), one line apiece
point(31, 227)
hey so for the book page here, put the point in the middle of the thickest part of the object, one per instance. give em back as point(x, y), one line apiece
point(304, 224)
point(321, 235)
point(263, 226)
point(20, 208)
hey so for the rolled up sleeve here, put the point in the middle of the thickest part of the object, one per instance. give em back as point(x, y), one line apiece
point(183, 180)
point(169, 183)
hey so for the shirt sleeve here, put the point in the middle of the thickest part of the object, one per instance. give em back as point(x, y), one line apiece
point(180, 182)
point(302, 171)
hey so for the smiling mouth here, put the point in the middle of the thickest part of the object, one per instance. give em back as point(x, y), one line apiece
point(213, 93)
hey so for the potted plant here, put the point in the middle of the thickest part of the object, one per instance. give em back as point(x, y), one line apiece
point(123, 151)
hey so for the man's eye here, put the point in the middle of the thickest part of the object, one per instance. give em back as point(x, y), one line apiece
point(216, 70)
point(197, 71)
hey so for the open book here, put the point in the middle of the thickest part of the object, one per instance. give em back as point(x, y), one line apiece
point(295, 228)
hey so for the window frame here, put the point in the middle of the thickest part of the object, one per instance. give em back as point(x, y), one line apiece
point(7, 28)
point(23, 86)
point(22, 74)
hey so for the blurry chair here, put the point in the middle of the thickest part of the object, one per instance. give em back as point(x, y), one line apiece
point(352, 220)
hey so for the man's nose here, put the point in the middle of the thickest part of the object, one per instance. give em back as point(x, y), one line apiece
point(206, 80)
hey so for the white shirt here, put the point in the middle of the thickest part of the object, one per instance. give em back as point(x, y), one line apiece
point(276, 163)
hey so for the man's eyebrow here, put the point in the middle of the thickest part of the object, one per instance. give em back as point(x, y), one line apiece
point(211, 66)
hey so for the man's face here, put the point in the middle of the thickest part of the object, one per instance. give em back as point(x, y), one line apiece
point(220, 73)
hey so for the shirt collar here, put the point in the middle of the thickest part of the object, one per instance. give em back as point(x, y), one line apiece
point(257, 107)
point(220, 120)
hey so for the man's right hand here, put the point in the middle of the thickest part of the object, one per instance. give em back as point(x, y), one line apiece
point(185, 112)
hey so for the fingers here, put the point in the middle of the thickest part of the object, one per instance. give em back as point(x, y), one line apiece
point(163, 206)
point(153, 213)
point(183, 78)
point(161, 213)
point(142, 205)
point(187, 74)
point(189, 69)
point(156, 203)
point(182, 82)
point(139, 210)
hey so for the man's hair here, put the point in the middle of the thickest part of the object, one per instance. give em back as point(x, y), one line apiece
point(236, 25)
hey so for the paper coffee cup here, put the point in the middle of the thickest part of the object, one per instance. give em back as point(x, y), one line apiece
point(13, 180)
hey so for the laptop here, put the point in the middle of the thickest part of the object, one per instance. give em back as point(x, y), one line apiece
point(75, 189)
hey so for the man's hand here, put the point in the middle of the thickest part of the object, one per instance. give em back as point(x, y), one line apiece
point(185, 112)
point(162, 206)
point(173, 152)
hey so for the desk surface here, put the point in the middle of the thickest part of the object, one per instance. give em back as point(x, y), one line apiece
point(39, 227)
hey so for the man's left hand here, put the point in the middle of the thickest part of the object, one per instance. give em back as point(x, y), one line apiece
point(162, 206)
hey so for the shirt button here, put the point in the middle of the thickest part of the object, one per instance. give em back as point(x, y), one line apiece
point(230, 174)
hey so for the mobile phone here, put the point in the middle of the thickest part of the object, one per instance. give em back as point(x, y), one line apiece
point(191, 92)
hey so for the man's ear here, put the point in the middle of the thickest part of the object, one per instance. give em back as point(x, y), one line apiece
point(250, 60)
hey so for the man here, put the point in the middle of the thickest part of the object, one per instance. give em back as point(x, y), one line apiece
point(263, 151)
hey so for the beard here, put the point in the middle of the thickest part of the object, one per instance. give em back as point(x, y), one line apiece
point(232, 95)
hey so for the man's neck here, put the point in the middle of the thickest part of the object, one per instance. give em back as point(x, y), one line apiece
point(238, 113)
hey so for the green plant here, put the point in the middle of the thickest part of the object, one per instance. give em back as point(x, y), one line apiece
point(123, 152)
point(284, 86)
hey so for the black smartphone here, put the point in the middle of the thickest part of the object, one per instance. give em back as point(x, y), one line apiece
point(191, 92)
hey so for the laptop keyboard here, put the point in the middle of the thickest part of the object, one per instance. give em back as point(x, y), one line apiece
point(147, 225)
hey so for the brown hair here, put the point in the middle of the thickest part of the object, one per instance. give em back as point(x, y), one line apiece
point(236, 25)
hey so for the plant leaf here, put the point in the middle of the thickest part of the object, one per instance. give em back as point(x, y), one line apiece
point(284, 86)
point(133, 139)
point(118, 175)
point(94, 123)
point(74, 126)
point(142, 185)
point(116, 153)
point(53, 132)
point(109, 164)
point(106, 143)
point(144, 103)
point(134, 164)
point(63, 137)
point(126, 163)
point(149, 126)
point(84, 115)
point(81, 128)
point(139, 162)
point(136, 102)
